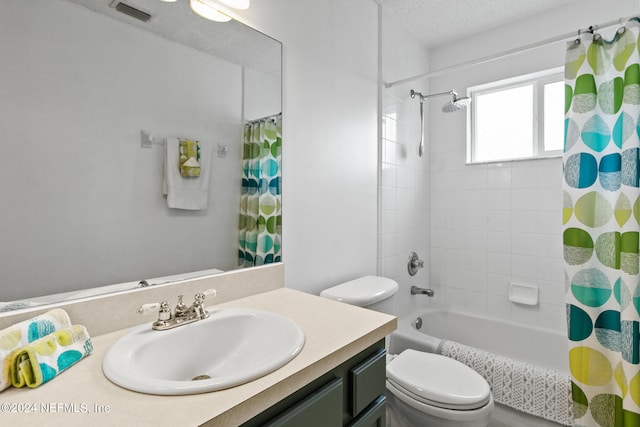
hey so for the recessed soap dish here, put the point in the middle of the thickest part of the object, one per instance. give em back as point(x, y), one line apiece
point(523, 294)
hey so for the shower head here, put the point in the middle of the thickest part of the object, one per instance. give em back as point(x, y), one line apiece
point(456, 104)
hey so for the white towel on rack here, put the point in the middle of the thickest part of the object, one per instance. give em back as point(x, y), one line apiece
point(185, 193)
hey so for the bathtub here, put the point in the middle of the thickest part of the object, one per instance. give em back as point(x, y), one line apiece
point(538, 346)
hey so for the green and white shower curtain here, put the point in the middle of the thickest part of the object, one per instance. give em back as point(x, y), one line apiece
point(601, 226)
point(260, 202)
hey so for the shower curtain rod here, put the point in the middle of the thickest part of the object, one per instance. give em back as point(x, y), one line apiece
point(508, 53)
point(269, 117)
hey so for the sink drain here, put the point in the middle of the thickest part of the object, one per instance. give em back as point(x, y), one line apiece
point(201, 377)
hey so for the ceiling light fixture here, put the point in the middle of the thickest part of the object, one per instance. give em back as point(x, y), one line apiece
point(236, 4)
point(208, 9)
point(217, 10)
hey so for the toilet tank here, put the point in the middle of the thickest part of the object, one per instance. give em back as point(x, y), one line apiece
point(372, 292)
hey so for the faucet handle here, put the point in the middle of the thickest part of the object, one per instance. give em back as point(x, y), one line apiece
point(200, 296)
point(414, 263)
point(145, 309)
point(164, 312)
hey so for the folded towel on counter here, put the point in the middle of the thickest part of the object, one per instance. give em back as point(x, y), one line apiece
point(189, 158)
point(190, 194)
point(40, 361)
point(531, 389)
point(15, 337)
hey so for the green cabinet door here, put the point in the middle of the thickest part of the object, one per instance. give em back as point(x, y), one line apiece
point(323, 408)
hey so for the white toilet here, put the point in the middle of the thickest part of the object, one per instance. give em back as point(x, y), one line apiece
point(423, 389)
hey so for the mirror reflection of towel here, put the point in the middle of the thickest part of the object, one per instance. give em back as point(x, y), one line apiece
point(190, 194)
point(189, 158)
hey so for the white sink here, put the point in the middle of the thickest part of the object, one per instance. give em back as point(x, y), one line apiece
point(231, 347)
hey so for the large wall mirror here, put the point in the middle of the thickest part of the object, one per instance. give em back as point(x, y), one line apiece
point(84, 210)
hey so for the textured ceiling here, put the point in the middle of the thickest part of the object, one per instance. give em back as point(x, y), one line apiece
point(231, 40)
point(435, 22)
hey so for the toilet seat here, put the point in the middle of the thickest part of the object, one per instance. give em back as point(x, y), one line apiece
point(438, 381)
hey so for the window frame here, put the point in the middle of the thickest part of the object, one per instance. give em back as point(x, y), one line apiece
point(538, 80)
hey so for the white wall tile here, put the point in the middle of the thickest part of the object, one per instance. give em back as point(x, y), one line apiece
point(498, 284)
point(524, 244)
point(499, 221)
point(499, 176)
point(525, 314)
point(524, 266)
point(388, 220)
point(524, 199)
point(499, 263)
point(499, 241)
point(553, 317)
point(499, 199)
point(524, 221)
point(389, 175)
point(388, 196)
point(499, 306)
point(477, 240)
point(524, 176)
point(476, 302)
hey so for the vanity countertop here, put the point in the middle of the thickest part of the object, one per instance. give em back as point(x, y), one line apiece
point(334, 332)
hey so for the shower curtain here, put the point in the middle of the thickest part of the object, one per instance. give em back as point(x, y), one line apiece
point(601, 225)
point(260, 202)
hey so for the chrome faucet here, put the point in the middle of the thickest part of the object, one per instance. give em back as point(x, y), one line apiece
point(422, 291)
point(181, 314)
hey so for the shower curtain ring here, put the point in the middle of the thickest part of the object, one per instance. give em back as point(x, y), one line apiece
point(578, 40)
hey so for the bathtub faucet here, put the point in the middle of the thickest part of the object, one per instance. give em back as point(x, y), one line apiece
point(422, 291)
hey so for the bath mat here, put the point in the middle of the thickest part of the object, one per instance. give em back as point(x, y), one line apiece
point(544, 393)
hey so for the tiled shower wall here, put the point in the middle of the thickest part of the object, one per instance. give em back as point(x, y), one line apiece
point(493, 224)
point(404, 176)
point(477, 227)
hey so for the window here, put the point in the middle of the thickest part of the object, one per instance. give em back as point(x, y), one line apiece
point(518, 118)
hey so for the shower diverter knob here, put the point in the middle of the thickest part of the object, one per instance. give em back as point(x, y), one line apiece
point(414, 263)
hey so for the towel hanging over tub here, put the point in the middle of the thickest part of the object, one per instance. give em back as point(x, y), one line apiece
point(533, 390)
point(190, 193)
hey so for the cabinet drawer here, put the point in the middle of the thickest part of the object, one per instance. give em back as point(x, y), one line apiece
point(367, 381)
point(323, 408)
point(374, 416)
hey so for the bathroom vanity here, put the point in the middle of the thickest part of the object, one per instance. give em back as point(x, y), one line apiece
point(351, 394)
point(337, 379)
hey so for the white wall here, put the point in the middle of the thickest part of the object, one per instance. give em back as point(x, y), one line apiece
point(329, 136)
point(496, 223)
point(106, 207)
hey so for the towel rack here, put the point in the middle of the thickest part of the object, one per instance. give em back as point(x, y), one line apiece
point(147, 139)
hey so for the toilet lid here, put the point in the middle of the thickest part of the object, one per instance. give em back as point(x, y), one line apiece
point(363, 291)
point(438, 380)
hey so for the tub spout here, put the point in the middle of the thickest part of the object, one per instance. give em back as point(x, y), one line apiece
point(422, 291)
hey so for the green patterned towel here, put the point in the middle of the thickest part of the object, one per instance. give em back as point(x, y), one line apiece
point(189, 158)
point(43, 359)
point(13, 338)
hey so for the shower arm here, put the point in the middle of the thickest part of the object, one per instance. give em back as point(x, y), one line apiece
point(431, 95)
